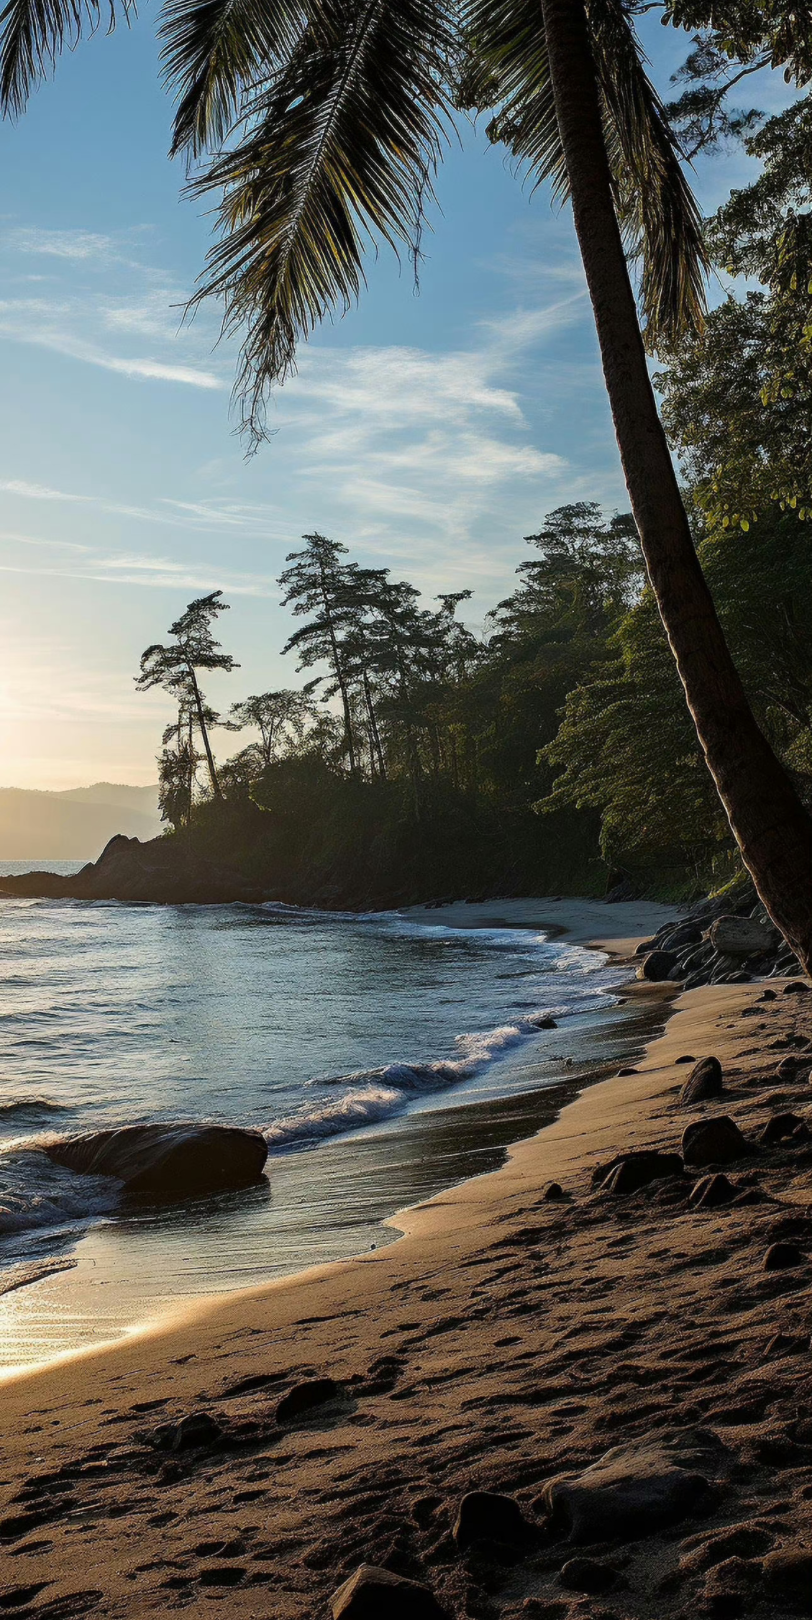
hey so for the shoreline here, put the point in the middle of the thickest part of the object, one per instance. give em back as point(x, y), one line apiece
point(133, 1267)
point(503, 1338)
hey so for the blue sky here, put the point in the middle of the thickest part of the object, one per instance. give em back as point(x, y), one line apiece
point(429, 433)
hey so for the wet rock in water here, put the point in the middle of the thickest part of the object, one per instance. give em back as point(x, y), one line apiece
point(783, 1257)
point(196, 1429)
point(633, 1490)
point(489, 1516)
point(742, 936)
point(782, 1126)
point(166, 1161)
point(656, 966)
point(545, 1023)
point(787, 1576)
point(553, 1191)
point(713, 1141)
point(305, 1398)
point(378, 1594)
point(712, 1192)
point(590, 1575)
point(705, 1080)
point(630, 1171)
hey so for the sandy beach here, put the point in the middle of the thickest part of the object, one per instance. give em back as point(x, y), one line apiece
point(507, 1340)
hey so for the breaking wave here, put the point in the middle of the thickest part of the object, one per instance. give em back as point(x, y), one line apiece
point(376, 1094)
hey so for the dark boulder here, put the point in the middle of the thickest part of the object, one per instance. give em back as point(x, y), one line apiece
point(712, 1192)
point(797, 987)
point(713, 1141)
point(742, 936)
point(704, 1080)
point(166, 1161)
point(783, 1257)
point(305, 1398)
point(489, 1516)
point(631, 1171)
point(633, 1490)
point(378, 1594)
point(656, 966)
point(553, 1192)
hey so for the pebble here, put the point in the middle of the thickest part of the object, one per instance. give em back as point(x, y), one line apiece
point(553, 1191)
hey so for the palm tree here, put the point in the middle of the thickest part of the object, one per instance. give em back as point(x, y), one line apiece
point(330, 117)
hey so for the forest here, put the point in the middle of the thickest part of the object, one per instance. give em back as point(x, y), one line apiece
point(555, 751)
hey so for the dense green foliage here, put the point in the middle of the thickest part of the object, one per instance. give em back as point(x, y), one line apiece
point(550, 754)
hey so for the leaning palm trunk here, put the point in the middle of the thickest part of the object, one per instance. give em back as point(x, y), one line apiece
point(771, 827)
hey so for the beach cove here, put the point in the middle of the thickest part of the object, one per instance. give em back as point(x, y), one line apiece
point(504, 1340)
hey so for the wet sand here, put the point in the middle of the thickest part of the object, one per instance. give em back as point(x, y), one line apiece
point(506, 1340)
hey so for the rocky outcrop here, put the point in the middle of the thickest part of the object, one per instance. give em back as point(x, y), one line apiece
point(163, 871)
point(166, 1161)
point(726, 941)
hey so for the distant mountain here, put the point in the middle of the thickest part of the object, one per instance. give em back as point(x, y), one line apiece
point(75, 824)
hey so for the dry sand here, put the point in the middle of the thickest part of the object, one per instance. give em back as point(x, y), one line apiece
point(506, 1339)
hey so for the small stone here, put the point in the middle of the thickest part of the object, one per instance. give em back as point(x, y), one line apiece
point(786, 1344)
point(553, 1191)
point(489, 1516)
point(656, 966)
point(768, 995)
point(713, 1141)
point(788, 1068)
point(304, 1398)
point(589, 1575)
point(712, 1192)
point(623, 1072)
point(545, 1023)
point(783, 1257)
point(372, 1593)
point(796, 987)
point(631, 1171)
point(195, 1429)
point(705, 1080)
point(782, 1126)
point(688, 1058)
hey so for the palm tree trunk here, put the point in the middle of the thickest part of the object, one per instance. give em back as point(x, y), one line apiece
point(771, 826)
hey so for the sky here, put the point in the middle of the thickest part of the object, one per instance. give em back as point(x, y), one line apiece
point(428, 431)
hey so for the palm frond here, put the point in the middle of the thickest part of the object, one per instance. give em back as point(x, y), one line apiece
point(655, 203)
point(213, 50)
point(657, 211)
point(337, 150)
point(34, 32)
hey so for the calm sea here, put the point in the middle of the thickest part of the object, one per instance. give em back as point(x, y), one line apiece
point(382, 1058)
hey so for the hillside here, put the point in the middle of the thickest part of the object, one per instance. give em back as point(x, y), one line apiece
point(73, 825)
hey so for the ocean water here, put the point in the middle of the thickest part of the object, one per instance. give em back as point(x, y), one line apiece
point(381, 1057)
